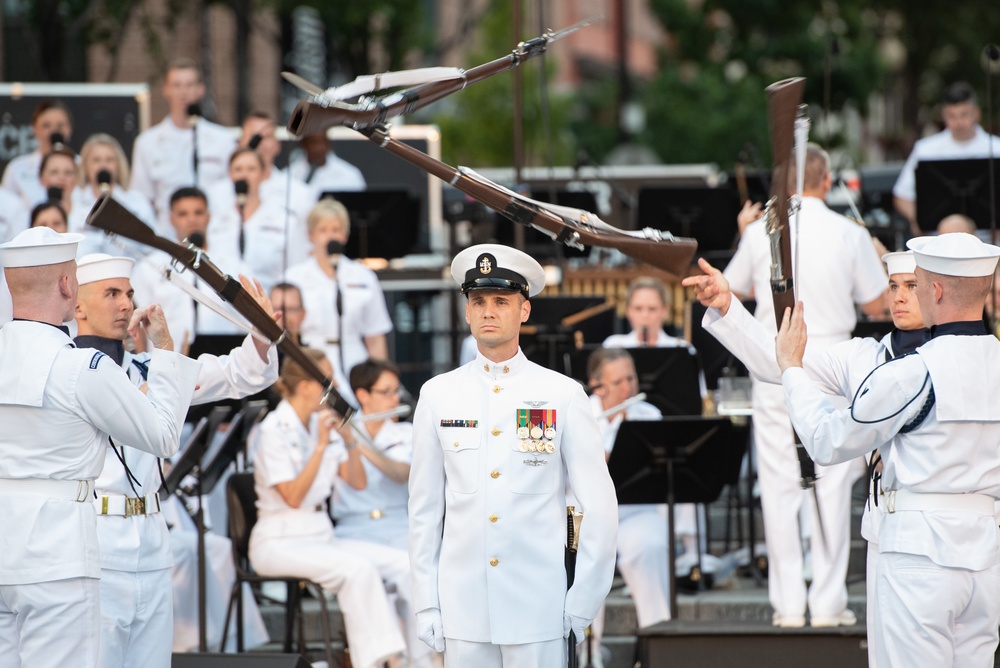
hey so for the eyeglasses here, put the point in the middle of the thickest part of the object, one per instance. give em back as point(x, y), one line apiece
point(388, 391)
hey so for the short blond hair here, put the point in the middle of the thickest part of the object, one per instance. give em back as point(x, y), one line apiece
point(103, 139)
point(328, 208)
point(648, 283)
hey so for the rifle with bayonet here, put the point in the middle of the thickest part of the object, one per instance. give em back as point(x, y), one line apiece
point(111, 217)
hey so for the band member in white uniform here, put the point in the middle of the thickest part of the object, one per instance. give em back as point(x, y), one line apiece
point(962, 139)
point(14, 215)
point(828, 245)
point(50, 119)
point(182, 150)
point(102, 153)
point(261, 230)
point(495, 443)
point(346, 315)
point(318, 166)
point(58, 174)
point(58, 407)
point(938, 579)
point(642, 529)
point(297, 457)
point(189, 220)
point(135, 551)
point(838, 370)
point(278, 184)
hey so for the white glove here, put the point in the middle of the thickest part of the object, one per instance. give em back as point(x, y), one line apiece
point(429, 628)
point(578, 625)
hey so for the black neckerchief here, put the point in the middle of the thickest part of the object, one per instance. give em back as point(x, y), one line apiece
point(113, 348)
point(905, 342)
point(62, 328)
point(961, 328)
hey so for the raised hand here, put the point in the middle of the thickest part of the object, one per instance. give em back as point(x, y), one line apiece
point(790, 344)
point(152, 319)
point(711, 289)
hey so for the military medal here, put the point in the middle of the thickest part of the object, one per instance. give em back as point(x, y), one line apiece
point(522, 429)
point(549, 420)
point(522, 445)
point(536, 424)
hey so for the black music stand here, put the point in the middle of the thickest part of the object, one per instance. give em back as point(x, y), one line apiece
point(670, 379)
point(218, 345)
point(704, 213)
point(384, 223)
point(716, 359)
point(945, 187)
point(675, 460)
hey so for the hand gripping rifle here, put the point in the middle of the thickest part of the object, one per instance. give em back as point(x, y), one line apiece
point(113, 218)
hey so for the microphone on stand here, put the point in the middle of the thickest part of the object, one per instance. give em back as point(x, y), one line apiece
point(196, 239)
point(335, 249)
point(104, 181)
point(255, 142)
point(194, 113)
point(54, 193)
point(242, 190)
point(57, 141)
point(644, 340)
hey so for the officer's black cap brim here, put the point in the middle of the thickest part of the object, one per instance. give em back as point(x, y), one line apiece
point(494, 284)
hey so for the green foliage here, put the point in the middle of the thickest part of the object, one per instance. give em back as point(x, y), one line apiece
point(477, 124)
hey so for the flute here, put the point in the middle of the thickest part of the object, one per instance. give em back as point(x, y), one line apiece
point(603, 415)
point(398, 411)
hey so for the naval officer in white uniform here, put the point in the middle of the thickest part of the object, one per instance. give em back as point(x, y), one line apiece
point(58, 407)
point(938, 579)
point(136, 594)
point(495, 443)
point(838, 370)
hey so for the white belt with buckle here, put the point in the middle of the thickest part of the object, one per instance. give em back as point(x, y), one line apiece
point(901, 499)
point(68, 490)
point(127, 506)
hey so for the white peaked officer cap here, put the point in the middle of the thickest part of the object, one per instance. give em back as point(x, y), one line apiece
point(39, 246)
point(496, 267)
point(101, 266)
point(901, 262)
point(955, 254)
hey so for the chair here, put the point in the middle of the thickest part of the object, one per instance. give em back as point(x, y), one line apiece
point(241, 499)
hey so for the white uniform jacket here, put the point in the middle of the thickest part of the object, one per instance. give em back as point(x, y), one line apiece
point(364, 311)
point(378, 512)
point(58, 405)
point(140, 542)
point(290, 192)
point(14, 215)
point(488, 520)
point(163, 161)
point(947, 453)
point(21, 178)
point(336, 175)
point(95, 240)
point(274, 238)
point(827, 241)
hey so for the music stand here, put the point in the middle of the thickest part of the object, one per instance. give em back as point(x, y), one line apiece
point(704, 213)
point(189, 462)
point(218, 345)
point(945, 187)
point(674, 460)
point(384, 223)
point(670, 378)
point(716, 359)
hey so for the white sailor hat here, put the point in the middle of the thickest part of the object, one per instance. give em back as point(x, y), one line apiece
point(101, 266)
point(955, 254)
point(496, 267)
point(39, 246)
point(901, 262)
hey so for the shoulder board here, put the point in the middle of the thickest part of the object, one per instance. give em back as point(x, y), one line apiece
point(96, 359)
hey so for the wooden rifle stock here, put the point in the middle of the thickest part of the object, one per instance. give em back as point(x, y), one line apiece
point(113, 218)
point(783, 98)
point(673, 256)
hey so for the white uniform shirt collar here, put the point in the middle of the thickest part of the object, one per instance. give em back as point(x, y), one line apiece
point(499, 369)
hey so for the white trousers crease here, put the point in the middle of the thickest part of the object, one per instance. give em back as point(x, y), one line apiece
point(136, 619)
point(50, 624)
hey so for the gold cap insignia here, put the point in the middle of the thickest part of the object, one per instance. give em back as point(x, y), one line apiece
point(485, 266)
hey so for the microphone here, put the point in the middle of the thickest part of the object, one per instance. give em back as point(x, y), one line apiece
point(54, 193)
point(194, 112)
point(255, 142)
point(334, 249)
point(644, 341)
point(242, 191)
point(57, 140)
point(196, 239)
point(104, 181)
